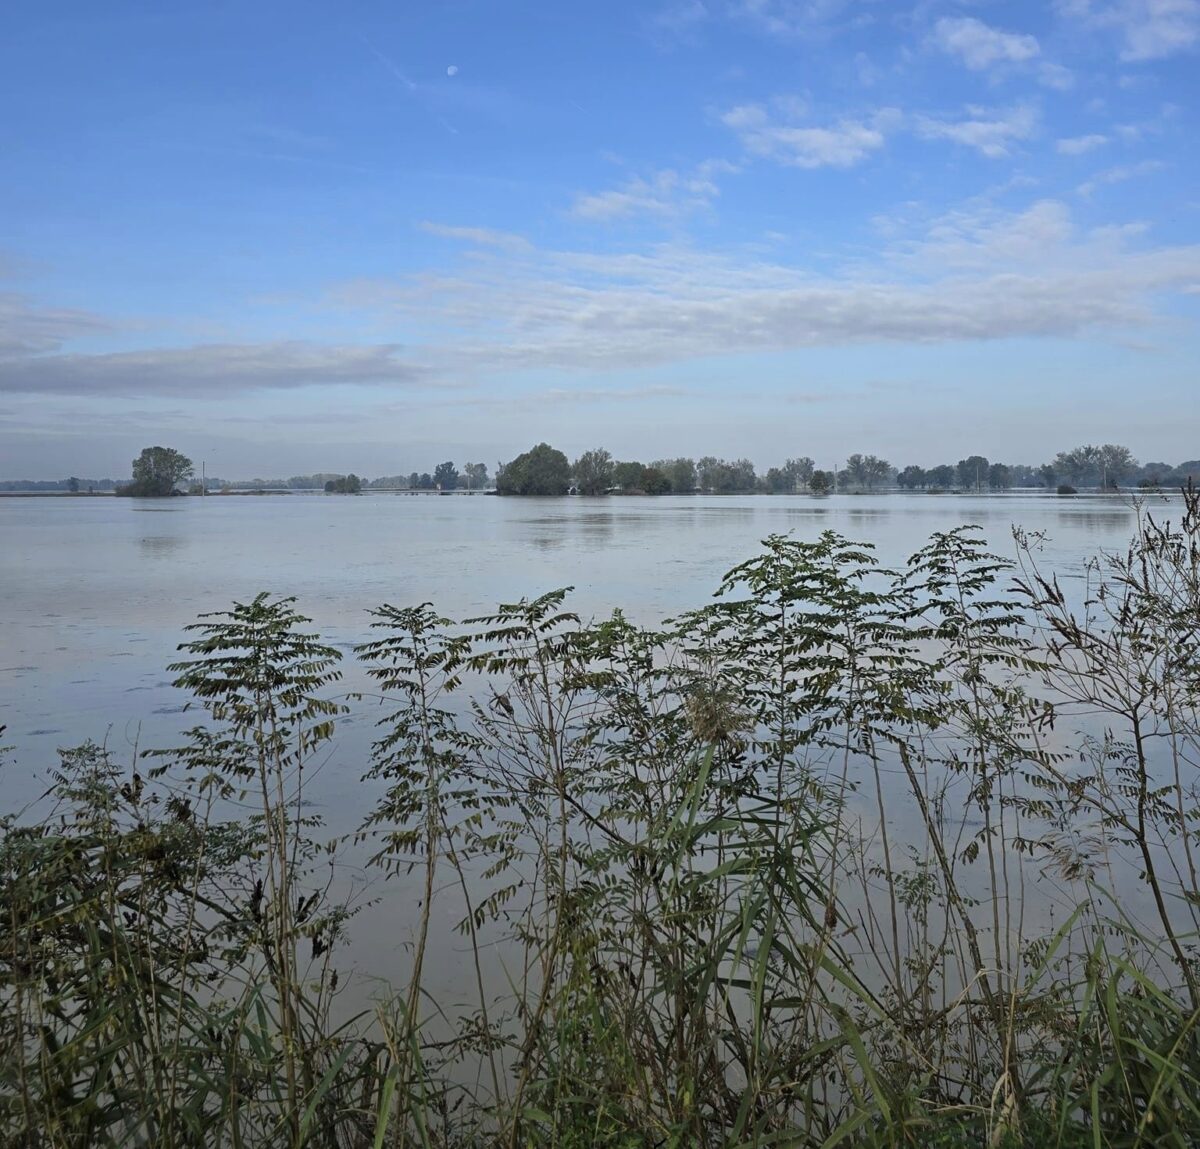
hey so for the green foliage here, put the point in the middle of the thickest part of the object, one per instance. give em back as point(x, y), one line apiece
point(445, 476)
point(344, 485)
point(539, 471)
point(593, 472)
point(156, 471)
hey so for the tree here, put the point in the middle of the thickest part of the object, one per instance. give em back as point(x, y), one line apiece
point(1116, 463)
point(799, 471)
point(776, 481)
point(539, 471)
point(349, 484)
point(878, 471)
point(156, 471)
point(941, 477)
point(819, 482)
point(725, 478)
point(593, 472)
point(476, 475)
point(1048, 475)
point(73, 485)
point(999, 477)
point(1078, 465)
point(629, 476)
point(654, 482)
point(912, 477)
point(681, 473)
point(445, 476)
point(973, 472)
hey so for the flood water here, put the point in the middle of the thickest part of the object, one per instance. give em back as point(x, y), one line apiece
point(97, 592)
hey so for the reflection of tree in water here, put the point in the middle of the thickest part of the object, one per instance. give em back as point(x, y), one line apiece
point(1095, 519)
point(598, 526)
point(161, 546)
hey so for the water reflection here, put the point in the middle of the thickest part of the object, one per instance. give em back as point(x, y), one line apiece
point(161, 546)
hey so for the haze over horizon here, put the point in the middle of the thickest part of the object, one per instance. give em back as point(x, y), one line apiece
point(281, 239)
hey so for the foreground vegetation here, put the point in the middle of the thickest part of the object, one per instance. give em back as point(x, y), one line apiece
point(848, 857)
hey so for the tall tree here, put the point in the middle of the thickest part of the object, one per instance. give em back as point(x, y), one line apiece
point(912, 477)
point(681, 472)
point(799, 471)
point(542, 470)
point(878, 471)
point(941, 477)
point(999, 477)
point(973, 472)
point(156, 471)
point(629, 476)
point(593, 472)
point(1116, 464)
point(445, 476)
point(476, 475)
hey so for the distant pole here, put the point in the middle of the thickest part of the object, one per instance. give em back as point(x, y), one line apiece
point(203, 477)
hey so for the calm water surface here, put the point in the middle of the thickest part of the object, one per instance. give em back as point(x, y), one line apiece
point(96, 592)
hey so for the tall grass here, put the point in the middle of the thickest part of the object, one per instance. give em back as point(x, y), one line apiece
point(849, 857)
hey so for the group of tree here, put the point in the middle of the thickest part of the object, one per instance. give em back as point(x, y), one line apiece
point(543, 470)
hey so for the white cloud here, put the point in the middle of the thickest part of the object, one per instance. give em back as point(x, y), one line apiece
point(666, 194)
point(992, 133)
point(980, 46)
point(205, 371)
point(1119, 175)
point(795, 18)
point(840, 145)
point(1078, 145)
point(1149, 29)
point(1055, 76)
point(975, 275)
point(480, 236)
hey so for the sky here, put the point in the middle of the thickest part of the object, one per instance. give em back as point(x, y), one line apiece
point(296, 237)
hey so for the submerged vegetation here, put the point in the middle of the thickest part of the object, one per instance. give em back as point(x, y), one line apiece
point(848, 857)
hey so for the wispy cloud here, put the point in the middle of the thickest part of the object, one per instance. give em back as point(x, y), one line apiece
point(678, 21)
point(970, 276)
point(1119, 174)
point(990, 132)
point(980, 46)
point(1148, 29)
point(1078, 145)
point(841, 144)
point(206, 371)
point(666, 195)
point(798, 18)
point(480, 236)
point(29, 329)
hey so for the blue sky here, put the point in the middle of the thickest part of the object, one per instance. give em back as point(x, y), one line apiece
point(293, 237)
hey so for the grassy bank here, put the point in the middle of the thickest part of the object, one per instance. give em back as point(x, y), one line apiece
point(848, 857)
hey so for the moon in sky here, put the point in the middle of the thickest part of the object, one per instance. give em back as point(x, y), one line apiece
point(452, 70)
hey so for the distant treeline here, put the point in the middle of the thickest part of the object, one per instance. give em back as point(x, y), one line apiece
point(543, 470)
point(72, 485)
